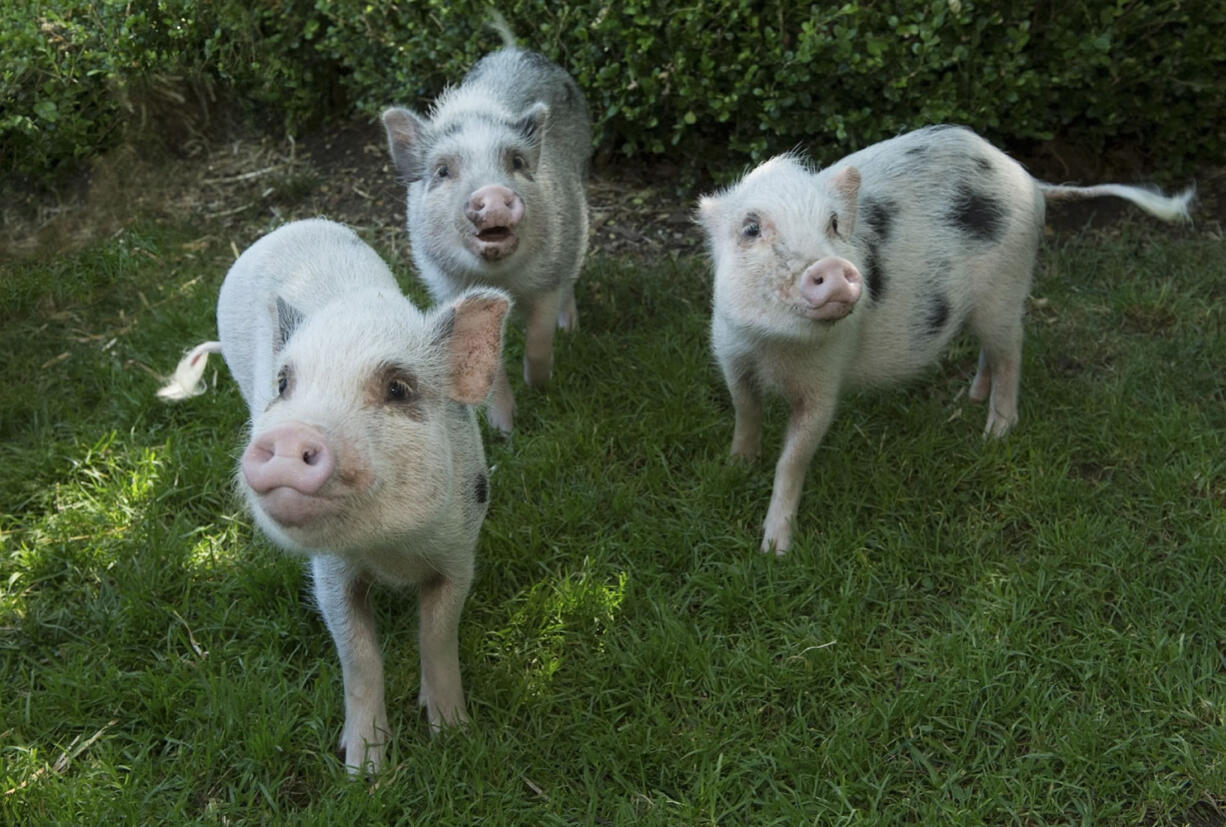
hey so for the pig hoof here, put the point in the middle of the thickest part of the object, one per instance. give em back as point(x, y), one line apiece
point(746, 454)
point(440, 719)
point(502, 420)
point(998, 425)
point(538, 374)
point(776, 542)
point(361, 758)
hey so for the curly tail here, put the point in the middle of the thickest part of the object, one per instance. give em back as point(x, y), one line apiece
point(185, 382)
point(499, 24)
point(1165, 207)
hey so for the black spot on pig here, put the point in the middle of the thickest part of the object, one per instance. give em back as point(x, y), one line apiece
point(980, 216)
point(481, 488)
point(936, 315)
point(879, 216)
point(874, 276)
point(288, 319)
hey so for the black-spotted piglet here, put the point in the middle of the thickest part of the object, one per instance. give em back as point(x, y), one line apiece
point(861, 273)
point(364, 452)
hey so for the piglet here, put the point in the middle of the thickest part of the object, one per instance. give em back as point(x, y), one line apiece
point(496, 178)
point(861, 273)
point(364, 451)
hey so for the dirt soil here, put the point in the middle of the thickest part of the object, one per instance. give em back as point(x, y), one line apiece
point(240, 188)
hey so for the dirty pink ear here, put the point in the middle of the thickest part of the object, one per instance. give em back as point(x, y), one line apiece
point(405, 130)
point(847, 185)
point(474, 342)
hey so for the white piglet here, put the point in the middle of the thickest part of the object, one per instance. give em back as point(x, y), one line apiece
point(364, 451)
point(861, 273)
point(496, 179)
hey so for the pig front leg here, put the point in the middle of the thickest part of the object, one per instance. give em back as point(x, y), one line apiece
point(811, 417)
point(543, 314)
point(344, 601)
point(442, 693)
point(747, 405)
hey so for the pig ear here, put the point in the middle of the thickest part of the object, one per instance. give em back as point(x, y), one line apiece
point(471, 334)
point(847, 185)
point(708, 215)
point(531, 124)
point(405, 130)
point(288, 319)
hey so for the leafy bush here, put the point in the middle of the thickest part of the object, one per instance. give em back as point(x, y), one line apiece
point(724, 82)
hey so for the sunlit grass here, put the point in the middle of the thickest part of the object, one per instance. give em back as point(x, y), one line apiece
point(1026, 631)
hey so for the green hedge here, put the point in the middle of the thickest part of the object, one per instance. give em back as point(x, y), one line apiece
point(726, 81)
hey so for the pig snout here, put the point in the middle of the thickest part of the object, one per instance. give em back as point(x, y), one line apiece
point(494, 212)
point(830, 288)
point(287, 466)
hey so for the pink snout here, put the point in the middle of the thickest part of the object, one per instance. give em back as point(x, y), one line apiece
point(494, 212)
point(494, 206)
point(291, 455)
point(830, 288)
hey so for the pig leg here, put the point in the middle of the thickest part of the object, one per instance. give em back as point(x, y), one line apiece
point(982, 383)
point(501, 410)
point(568, 316)
point(999, 371)
point(442, 693)
point(811, 417)
point(538, 339)
point(344, 601)
point(747, 404)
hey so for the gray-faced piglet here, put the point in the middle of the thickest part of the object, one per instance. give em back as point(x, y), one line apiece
point(364, 452)
point(861, 273)
point(496, 180)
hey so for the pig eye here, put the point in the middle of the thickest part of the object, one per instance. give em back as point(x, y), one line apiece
point(282, 381)
point(750, 228)
point(519, 163)
point(834, 223)
point(442, 171)
point(399, 390)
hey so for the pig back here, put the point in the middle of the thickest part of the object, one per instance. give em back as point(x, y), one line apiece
point(945, 222)
point(305, 264)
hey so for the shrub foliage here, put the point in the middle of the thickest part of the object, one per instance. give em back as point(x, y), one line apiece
point(726, 81)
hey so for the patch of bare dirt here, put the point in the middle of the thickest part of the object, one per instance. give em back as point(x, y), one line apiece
point(243, 187)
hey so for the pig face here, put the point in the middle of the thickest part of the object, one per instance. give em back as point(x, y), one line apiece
point(779, 240)
point(353, 449)
point(472, 178)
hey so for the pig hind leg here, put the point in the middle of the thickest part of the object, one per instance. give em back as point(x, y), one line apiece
point(501, 410)
point(538, 339)
point(442, 693)
point(568, 314)
point(997, 322)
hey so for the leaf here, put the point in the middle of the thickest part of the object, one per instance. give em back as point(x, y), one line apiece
point(47, 110)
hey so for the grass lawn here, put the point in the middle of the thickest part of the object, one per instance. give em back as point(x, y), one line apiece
point(1030, 631)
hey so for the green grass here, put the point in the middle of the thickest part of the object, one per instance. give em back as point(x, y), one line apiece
point(1030, 631)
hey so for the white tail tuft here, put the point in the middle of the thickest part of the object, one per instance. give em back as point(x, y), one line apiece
point(1166, 207)
point(185, 382)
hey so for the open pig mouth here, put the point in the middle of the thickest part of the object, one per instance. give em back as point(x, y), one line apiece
point(494, 243)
